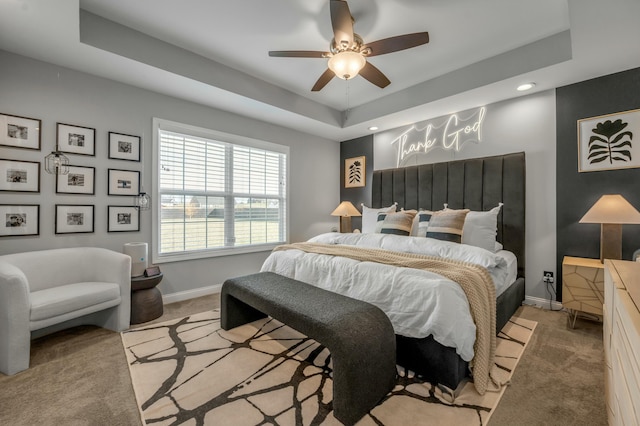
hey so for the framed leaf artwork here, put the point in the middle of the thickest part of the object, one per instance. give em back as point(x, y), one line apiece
point(609, 142)
point(354, 172)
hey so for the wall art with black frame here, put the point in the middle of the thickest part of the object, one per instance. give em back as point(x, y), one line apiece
point(20, 220)
point(19, 176)
point(20, 132)
point(79, 180)
point(123, 219)
point(74, 219)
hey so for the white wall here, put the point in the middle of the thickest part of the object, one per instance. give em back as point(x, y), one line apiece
point(53, 94)
point(524, 124)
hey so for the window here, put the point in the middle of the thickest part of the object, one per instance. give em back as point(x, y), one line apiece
point(217, 194)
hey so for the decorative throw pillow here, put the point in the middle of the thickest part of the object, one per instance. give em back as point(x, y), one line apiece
point(447, 225)
point(370, 217)
point(480, 228)
point(398, 223)
point(421, 223)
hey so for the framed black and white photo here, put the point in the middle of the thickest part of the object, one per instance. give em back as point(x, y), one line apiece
point(20, 220)
point(123, 219)
point(74, 219)
point(124, 147)
point(123, 182)
point(19, 132)
point(19, 176)
point(76, 139)
point(607, 142)
point(79, 180)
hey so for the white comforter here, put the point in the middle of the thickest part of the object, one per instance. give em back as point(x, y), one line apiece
point(418, 303)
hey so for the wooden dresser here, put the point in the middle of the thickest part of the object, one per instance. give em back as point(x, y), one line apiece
point(622, 341)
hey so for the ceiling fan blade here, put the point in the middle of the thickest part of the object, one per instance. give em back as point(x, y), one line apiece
point(323, 80)
point(298, 54)
point(374, 75)
point(342, 22)
point(394, 44)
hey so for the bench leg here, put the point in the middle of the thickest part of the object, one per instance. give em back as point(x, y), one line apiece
point(234, 312)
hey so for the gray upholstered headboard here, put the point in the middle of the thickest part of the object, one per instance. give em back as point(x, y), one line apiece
point(477, 184)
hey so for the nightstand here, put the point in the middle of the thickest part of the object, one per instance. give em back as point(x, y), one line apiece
point(582, 286)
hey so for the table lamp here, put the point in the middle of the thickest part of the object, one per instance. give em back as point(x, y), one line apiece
point(611, 212)
point(345, 210)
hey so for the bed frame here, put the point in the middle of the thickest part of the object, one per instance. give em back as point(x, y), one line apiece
point(478, 184)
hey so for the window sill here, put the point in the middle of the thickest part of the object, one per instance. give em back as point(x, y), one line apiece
point(204, 254)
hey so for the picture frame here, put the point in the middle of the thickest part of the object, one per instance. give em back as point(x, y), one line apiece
point(19, 176)
point(124, 147)
point(123, 182)
point(78, 140)
point(74, 219)
point(20, 132)
point(79, 180)
point(20, 220)
point(609, 142)
point(355, 172)
point(123, 219)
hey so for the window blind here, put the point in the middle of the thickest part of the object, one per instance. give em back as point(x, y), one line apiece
point(216, 195)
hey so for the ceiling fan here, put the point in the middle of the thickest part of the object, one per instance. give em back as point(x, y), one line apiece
point(348, 52)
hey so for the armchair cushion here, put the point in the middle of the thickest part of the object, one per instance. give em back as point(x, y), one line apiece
point(57, 301)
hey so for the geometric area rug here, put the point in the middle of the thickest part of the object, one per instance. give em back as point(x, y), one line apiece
point(189, 371)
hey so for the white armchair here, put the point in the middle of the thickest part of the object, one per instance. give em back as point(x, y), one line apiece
point(49, 290)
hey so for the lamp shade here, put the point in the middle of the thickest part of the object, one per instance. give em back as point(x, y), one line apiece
point(346, 209)
point(612, 208)
point(346, 64)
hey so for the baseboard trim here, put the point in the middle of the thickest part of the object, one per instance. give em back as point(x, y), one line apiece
point(542, 303)
point(191, 294)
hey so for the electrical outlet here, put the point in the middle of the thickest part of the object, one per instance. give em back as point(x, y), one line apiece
point(547, 277)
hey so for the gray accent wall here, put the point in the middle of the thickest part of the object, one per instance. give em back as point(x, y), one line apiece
point(577, 192)
point(54, 94)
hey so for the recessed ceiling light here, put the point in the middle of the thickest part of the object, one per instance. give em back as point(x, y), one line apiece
point(373, 128)
point(526, 86)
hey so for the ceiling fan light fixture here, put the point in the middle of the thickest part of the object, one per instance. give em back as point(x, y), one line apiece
point(347, 64)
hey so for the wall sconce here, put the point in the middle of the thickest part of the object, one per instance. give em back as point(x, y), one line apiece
point(345, 210)
point(143, 201)
point(56, 163)
point(611, 212)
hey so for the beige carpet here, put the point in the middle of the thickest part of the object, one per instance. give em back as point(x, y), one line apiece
point(190, 371)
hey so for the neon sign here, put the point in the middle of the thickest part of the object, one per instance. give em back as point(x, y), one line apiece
point(454, 134)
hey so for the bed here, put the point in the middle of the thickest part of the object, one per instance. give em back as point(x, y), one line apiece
point(479, 185)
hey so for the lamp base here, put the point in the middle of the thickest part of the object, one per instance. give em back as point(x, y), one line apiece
point(610, 241)
point(345, 224)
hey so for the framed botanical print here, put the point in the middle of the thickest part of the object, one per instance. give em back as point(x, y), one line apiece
point(79, 180)
point(19, 176)
point(76, 139)
point(609, 142)
point(74, 219)
point(123, 219)
point(20, 132)
point(123, 182)
point(354, 172)
point(124, 147)
point(20, 220)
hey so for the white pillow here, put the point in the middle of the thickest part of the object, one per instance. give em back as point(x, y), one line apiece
point(370, 217)
point(480, 228)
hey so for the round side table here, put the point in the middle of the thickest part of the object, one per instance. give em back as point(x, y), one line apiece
point(146, 299)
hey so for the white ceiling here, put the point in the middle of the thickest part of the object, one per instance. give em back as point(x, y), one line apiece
point(215, 53)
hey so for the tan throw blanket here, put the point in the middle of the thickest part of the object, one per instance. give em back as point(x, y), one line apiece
point(475, 281)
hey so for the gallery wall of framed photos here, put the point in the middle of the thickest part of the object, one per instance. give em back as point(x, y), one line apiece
point(96, 195)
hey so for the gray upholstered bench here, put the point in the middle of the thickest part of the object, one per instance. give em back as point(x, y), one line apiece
point(358, 335)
